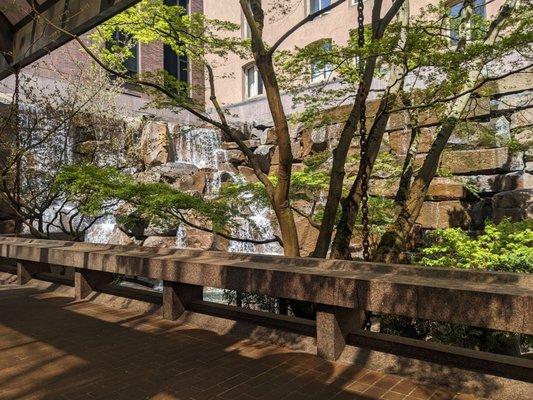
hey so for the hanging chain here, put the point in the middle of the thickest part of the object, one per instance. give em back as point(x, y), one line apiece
point(363, 135)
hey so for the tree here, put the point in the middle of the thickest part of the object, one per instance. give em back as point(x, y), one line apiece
point(423, 72)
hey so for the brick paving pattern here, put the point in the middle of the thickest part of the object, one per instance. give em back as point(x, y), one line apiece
point(53, 348)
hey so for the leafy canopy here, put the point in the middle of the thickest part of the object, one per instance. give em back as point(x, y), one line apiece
point(99, 187)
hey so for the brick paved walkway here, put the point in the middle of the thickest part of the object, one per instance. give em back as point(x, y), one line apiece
point(52, 348)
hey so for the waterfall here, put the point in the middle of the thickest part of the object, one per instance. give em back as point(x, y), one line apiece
point(203, 148)
point(101, 231)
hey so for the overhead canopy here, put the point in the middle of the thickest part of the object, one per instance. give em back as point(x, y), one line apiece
point(29, 29)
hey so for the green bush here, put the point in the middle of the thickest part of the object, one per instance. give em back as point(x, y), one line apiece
point(507, 246)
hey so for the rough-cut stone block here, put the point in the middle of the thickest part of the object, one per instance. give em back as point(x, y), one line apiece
point(469, 161)
point(177, 298)
point(87, 281)
point(439, 189)
point(514, 83)
point(521, 119)
point(26, 270)
point(443, 214)
point(445, 189)
point(514, 204)
point(480, 212)
point(157, 145)
point(399, 140)
point(333, 324)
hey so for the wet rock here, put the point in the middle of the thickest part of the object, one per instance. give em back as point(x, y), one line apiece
point(119, 237)
point(514, 204)
point(248, 173)
point(263, 155)
point(157, 145)
point(236, 157)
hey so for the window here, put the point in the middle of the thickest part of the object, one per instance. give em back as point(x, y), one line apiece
point(321, 70)
point(455, 17)
point(254, 82)
point(131, 64)
point(176, 65)
point(317, 5)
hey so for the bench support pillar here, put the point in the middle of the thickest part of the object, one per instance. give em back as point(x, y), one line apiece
point(26, 270)
point(177, 297)
point(87, 281)
point(333, 324)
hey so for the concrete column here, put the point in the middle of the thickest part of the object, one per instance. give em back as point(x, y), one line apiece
point(333, 324)
point(87, 281)
point(177, 297)
point(26, 270)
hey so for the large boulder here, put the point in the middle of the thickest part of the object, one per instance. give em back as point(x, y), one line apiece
point(514, 204)
point(157, 144)
point(182, 176)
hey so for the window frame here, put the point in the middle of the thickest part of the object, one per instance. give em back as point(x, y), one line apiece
point(321, 7)
point(256, 90)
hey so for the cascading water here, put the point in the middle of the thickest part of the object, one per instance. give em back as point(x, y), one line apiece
point(203, 148)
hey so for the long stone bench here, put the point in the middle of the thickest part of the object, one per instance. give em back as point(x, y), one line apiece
point(341, 290)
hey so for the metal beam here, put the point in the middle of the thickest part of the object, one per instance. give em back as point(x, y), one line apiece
point(35, 35)
point(6, 41)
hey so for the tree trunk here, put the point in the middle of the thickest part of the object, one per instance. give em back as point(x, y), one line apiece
point(350, 205)
point(280, 199)
point(408, 164)
point(393, 241)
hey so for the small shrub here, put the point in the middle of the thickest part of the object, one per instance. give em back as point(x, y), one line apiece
point(507, 246)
